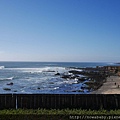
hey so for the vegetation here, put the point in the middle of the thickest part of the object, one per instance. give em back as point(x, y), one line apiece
point(59, 112)
point(53, 114)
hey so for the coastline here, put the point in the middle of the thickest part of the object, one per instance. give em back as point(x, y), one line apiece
point(52, 78)
point(111, 86)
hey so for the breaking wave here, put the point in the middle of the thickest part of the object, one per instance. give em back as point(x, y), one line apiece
point(2, 67)
point(40, 70)
point(9, 78)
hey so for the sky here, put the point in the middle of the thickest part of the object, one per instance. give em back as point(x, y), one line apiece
point(60, 30)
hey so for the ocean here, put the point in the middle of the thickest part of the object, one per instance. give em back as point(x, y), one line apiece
point(40, 78)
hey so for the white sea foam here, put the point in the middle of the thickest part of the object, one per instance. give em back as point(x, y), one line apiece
point(2, 67)
point(56, 88)
point(9, 78)
point(57, 69)
point(76, 69)
point(40, 70)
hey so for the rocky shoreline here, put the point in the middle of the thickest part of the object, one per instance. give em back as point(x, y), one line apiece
point(93, 78)
point(84, 80)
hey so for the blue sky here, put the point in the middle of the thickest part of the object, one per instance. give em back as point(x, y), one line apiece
point(60, 30)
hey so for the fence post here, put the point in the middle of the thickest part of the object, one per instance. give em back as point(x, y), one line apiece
point(16, 102)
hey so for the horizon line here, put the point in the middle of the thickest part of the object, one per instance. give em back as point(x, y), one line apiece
point(60, 61)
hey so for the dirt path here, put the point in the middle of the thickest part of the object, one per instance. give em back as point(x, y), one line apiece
point(111, 86)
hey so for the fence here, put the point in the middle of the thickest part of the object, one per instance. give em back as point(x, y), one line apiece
point(60, 101)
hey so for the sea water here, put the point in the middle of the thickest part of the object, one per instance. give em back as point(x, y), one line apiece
point(40, 78)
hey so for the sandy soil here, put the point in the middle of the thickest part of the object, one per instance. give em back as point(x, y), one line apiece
point(111, 86)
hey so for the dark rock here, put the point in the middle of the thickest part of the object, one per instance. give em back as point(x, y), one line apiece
point(51, 82)
point(74, 91)
point(66, 76)
point(75, 76)
point(75, 72)
point(49, 71)
point(70, 76)
point(7, 89)
point(83, 87)
point(10, 83)
point(94, 85)
point(57, 74)
point(81, 90)
point(38, 88)
point(81, 79)
point(90, 83)
point(15, 90)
